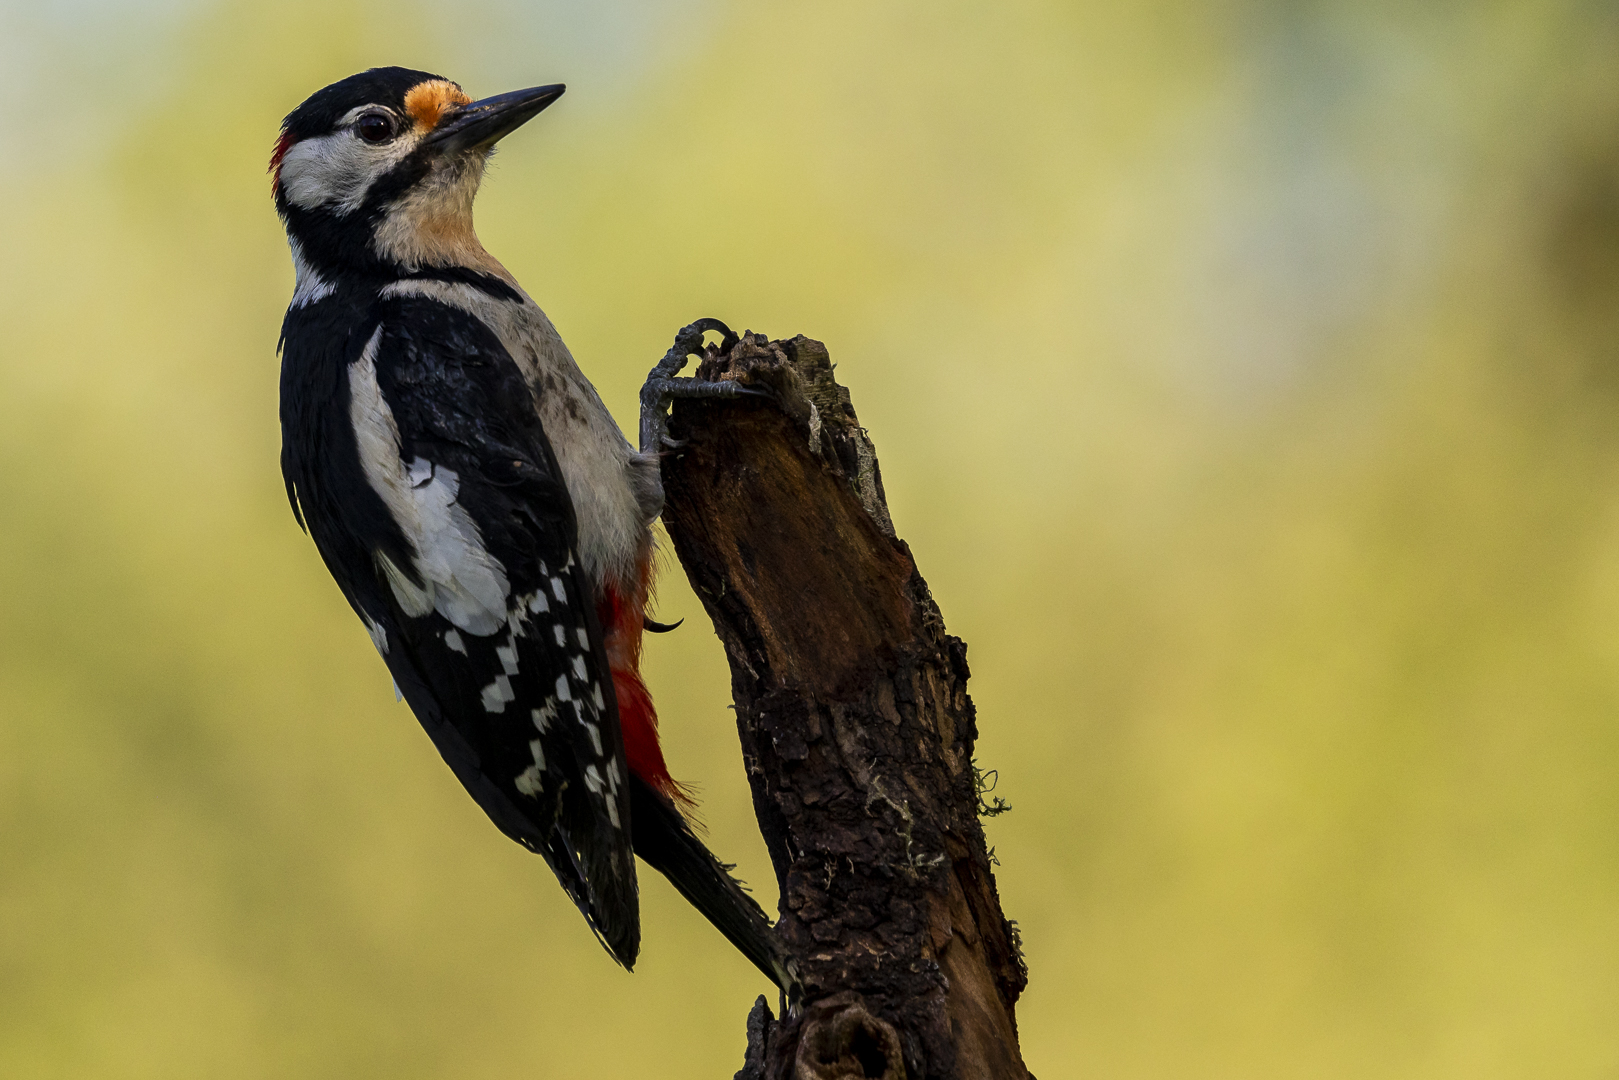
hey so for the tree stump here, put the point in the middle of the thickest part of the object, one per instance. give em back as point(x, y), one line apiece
point(857, 733)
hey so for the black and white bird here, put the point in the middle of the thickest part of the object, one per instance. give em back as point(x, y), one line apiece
point(475, 501)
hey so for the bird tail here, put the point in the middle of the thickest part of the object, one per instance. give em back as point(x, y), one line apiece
point(665, 841)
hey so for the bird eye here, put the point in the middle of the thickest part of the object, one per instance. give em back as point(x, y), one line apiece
point(374, 128)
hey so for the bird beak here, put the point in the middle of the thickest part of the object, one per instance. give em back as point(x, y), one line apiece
point(482, 123)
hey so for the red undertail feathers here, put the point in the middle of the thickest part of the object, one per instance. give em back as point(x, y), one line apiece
point(621, 620)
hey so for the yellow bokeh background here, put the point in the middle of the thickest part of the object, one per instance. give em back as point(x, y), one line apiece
point(1245, 377)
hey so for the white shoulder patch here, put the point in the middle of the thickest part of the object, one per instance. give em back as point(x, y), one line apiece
point(461, 580)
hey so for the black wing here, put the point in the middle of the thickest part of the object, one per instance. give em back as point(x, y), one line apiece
point(508, 674)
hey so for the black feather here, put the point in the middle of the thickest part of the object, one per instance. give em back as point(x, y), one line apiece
point(525, 717)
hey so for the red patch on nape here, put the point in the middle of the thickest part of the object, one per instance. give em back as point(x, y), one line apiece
point(282, 145)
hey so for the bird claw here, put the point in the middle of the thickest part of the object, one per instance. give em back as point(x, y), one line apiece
point(662, 386)
point(692, 335)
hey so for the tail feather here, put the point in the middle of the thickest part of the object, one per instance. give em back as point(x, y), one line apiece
point(664, 840)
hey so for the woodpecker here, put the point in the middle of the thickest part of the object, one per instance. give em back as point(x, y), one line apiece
point(474, 500)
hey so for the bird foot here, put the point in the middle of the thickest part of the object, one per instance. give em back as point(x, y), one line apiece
point(662, 387)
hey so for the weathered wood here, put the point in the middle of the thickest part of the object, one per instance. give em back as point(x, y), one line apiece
point(857, 732)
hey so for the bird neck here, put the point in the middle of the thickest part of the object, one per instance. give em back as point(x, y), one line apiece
point(430, 226)
point(401, 232)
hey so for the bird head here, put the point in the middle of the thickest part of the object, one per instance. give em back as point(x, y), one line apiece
point(376, 173)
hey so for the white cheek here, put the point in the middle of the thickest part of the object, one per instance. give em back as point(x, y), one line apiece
point(337, 170)
point(318, 172)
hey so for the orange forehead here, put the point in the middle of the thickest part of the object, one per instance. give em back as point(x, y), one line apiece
point(427, 101)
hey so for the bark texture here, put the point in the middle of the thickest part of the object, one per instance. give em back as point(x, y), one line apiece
point(857, 733)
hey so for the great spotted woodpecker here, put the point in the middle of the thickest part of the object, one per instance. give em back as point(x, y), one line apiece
point(475, 501)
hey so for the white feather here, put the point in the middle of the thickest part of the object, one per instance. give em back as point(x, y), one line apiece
point(308, 285)
point(461, 580)
point(337, 170)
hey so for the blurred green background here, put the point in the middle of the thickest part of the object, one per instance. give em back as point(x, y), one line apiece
point(1246, 380)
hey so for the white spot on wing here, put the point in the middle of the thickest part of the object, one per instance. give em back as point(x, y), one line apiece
point(453, 640)
point(537, 604)
point(556, 590)
point(561, 638)
point(562, 689)
point(596, 697)
point(531, 781)
point(497, 694)
point(584, 639)
point(508, 658)
point(595, 737)
point(543, 717)
point(579, 668)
